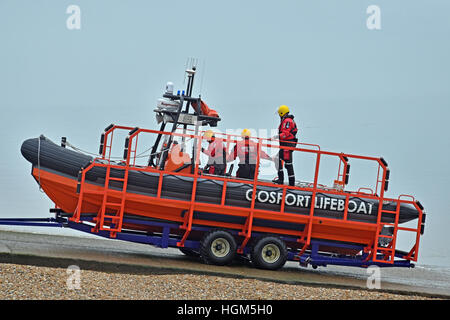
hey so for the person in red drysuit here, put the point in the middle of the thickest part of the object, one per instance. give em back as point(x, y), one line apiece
point(247, 152)
point(287, 134)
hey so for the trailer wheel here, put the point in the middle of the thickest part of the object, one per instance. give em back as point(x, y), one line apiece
point(269, 252)
point(218, 247)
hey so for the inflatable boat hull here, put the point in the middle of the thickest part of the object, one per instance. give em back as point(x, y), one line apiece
point(56, 169)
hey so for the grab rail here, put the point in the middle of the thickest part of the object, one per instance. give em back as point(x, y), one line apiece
point(130, 150)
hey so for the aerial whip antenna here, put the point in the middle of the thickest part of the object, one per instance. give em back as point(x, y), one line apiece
point(201, 77)
point(184, 71)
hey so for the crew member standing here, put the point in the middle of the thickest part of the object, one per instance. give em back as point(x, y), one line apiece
point(247, 152)
point(287, 134)
point(216, 153)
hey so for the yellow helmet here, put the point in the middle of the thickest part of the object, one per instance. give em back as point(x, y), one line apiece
point(245, 133)
point(208, 134)
point(282, 110)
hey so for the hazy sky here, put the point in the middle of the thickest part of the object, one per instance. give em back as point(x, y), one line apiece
point(374, 92)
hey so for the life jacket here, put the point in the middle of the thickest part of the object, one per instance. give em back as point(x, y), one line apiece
point(216, 152)
point(247, 152)
point(288, 128)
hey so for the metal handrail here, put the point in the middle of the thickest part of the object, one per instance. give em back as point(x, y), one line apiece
point(130, 157)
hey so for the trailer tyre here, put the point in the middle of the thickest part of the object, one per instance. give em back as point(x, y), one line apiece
point(218, 247)
point(269, 253)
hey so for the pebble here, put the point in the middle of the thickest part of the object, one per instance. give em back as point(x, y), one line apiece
point(25, 282)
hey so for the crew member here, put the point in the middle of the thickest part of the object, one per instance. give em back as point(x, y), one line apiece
point(287, 132)
point(247, 152)
point(216, 153)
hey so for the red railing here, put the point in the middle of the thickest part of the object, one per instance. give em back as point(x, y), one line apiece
point(303, 238)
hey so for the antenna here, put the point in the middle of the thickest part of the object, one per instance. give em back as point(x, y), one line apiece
point(184, 71)
point(191, 64)
point(201, 77)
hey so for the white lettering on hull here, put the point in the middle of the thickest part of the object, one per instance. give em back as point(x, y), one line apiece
point(304, 201)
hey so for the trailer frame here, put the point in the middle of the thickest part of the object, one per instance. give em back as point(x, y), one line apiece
point(165, 239)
